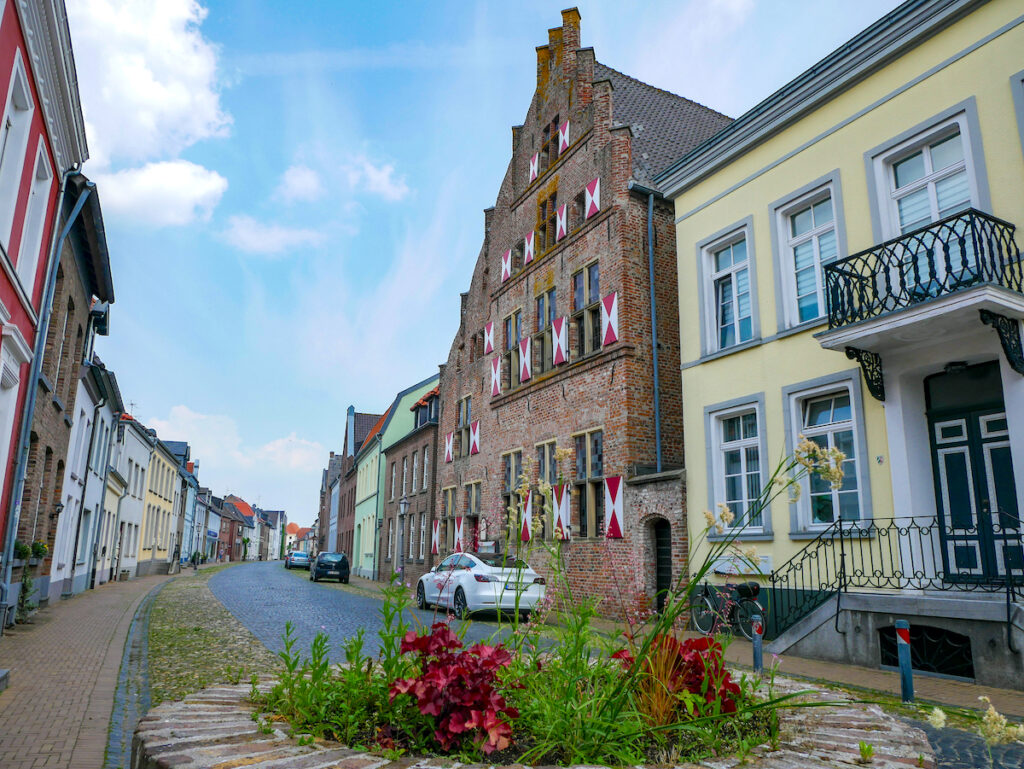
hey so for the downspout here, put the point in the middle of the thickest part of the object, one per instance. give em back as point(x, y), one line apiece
point(654, 314)
point(18, 487)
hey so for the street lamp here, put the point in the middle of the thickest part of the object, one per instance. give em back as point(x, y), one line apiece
point(403, 510)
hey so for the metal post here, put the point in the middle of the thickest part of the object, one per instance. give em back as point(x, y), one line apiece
point(903, 650)
point(758, 628)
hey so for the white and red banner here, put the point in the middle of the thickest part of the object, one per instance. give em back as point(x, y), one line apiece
point(528, 248)
point(561, 495)
point(592, 198)
point(449, 447)
point(563, 137)
point(525, 360)
point(526, 532)
point(610, 318)
point(561, 225)
point(495, 377)
point(560, 340)
point(458, 534)
point(474, 437)
point(613, 507)
point(489, 337)
point(506, 265)
point(435, 537)
point(534, 166)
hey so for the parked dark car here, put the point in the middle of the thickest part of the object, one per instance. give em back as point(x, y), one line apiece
point(330, 566)
point(297, 560)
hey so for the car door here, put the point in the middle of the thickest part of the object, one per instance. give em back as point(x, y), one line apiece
point(451, 579)
point(434, 582)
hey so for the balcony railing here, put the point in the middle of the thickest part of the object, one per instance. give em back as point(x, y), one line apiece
point(967, 249)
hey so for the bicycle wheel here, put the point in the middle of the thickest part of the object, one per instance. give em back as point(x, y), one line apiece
point(705, 613)
point(744, 618)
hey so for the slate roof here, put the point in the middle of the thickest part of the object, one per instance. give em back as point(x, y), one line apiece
point(665, 126)
point(363, 423)
point(377, 426)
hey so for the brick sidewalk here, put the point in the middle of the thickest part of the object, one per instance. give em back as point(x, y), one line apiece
point(64, 669)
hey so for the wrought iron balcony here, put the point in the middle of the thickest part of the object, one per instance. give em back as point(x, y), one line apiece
point(967, 249)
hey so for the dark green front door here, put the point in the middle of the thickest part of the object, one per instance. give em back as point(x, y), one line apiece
point(975, 489)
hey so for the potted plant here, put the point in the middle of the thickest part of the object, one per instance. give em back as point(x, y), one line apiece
point(21, 551)
point(39, 549)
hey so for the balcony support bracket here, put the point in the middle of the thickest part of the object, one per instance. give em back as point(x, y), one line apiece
point(1009, 337)
point(871, 367)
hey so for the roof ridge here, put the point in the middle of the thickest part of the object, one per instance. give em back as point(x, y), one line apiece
point(645, 84)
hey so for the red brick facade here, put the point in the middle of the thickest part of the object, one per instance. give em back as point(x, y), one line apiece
point(603, 390)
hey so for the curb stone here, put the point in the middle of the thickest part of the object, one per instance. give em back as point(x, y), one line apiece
point(214, 728)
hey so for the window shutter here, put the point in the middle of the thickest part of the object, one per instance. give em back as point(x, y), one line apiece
point(560, 337)
point(458, 534)
point(506, 265)
point(526, 532)
point(563, 137)
point(610, 318)
point(435, 536)
point(592, 198)
point(524, 360)
point(528, 249)
point(489, 337)
point(613, 507)
point(534, 165)
point(561, 227)
point(474, 437)
point(495, 377)
point(561, 493)
point(449, 447)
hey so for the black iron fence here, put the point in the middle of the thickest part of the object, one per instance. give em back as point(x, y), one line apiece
point(960, 251)
point(919, 553)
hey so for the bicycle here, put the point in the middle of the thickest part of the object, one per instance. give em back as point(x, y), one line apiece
point(711, 614)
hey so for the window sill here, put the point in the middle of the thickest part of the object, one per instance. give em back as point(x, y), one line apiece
point(45, 383)
point(757, 341)
point(761, 536)
point(57, 403)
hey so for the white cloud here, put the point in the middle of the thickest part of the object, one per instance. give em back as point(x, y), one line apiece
point(272, 474)
point(300, 183)
point(255, 237)
point(166, 193)
point(147, 76)
point(376, 179)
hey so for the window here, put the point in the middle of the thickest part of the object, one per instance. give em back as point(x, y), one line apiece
point(930, 181)
point(405, 475)
point(447, 513)
point(546, 311)
point(511, 471)
point(807, 232)
point(415, 469)
point(586, 308)
point(411, 535)
point(426, 466)
point(589, 482)
point(730, 285)
point(738, 466)
point(391, 534)
point(35, 221)
point(513, 336)
point(549, 146)
point(473, 498)
point(828, 421)
point(547, 215)
point(547, 471)
point(392, 480)
point(14, 130)
point(423, 533)
point(463, 419)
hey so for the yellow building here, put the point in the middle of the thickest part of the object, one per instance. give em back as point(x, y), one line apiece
point(158, 539)
point(843, 276)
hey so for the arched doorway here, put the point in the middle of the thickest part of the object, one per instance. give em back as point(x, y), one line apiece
point(662, 533)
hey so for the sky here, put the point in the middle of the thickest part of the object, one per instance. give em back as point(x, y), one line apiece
point(293, 192)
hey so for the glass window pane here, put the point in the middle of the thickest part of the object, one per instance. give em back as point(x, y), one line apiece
point(552, 312)
point(818, 412)
point(947, 152)
point(597, 454)
point(552, 465)
point(733, 489)
point(827, 247)
point(849, 506)
point(821, 509)
point(823, 212)
point(739, 252)
point(914, 210)
point(953, 194)
point(731, 429)
point(844, 442)
point(909, 169)
point(595, 283)
point(806, 281)
point(540, 313)
point(746, 329)
point(723, 258)
point(577, 291)
point(581, 456)
point(750, 425)
point(801, 222)
point(542, 466)
point(841, 408)
point(803, 255)
point(808, 307)
point(732, 462)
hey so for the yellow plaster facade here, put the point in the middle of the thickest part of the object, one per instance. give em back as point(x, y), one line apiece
point(159, 533)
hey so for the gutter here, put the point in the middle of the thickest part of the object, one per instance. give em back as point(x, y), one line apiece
point(633, 187)
point(45, 311)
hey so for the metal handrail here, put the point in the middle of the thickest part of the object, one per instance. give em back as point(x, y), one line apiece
point(966, 249)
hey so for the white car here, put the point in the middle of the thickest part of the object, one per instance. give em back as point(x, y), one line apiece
point(468, 582)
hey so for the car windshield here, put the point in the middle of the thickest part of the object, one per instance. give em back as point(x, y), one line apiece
point(331, 557)
point(501, 561)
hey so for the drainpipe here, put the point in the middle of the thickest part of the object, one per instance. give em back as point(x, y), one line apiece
point(42, 327)
point(654, 312)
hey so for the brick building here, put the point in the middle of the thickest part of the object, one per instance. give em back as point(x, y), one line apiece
point(555, 348)
point(328, 511)
point(357, 427)
point(405, 540)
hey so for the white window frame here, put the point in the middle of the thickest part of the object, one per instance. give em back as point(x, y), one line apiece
point(426, 466)
point(796, 402)
point(391, 534)
point(707, 277)
point(35, 221)
point(423, 533)
point(718, 447)
point(412, 536)
point(415, 470)
point(17, 120)
point(405, 475)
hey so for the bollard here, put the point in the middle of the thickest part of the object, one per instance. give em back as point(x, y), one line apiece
point(903, 651)
point(758, 628)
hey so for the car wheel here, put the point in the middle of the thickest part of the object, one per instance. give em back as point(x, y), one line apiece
point(459, 606)
point(421, 597)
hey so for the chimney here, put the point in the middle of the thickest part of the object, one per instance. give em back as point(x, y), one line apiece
point(571, 29)
point(350, 430)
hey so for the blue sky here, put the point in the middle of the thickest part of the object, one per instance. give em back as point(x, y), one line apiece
point(293, 193)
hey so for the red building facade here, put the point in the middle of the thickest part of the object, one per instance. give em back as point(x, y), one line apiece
point(551, 374)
